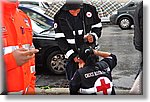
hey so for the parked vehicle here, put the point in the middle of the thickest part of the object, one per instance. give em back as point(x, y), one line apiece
point(124, 17)
point(41, 3)
point(50, 56)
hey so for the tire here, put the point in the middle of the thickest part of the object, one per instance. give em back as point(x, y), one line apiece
point(125, 23)
point(55, 62)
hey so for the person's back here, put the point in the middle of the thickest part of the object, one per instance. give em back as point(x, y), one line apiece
point(84, 79)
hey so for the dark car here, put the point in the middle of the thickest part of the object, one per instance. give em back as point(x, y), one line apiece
point(50, 57)
point(124, 17)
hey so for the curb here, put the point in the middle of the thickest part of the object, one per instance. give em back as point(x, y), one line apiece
point(65, 91)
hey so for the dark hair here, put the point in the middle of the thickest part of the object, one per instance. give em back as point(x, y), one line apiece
point(87, 55)
point(91, 60)
point(73, 4)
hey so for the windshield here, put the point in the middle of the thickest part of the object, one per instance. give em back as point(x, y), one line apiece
point(38, 27)
point(39, 19)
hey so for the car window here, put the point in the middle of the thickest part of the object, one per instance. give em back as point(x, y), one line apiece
point(28, 2)
point(44, 4)
point(38, 27)
point(41, 24)
point(39, 19)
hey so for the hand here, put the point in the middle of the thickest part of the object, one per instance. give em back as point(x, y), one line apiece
point(22, 55)
point(89, 38)
point(79, 61)
point(81, 64)
point(76, 59)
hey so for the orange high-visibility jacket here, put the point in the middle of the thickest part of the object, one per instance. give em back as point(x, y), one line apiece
point(17, 32)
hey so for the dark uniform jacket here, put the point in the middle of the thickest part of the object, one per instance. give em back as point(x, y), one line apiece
point(70, 30)
point(84, 79)
point(138, 29)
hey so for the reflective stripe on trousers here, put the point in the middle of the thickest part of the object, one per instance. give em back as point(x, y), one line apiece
point(19, 92)
point(87, 91)
point(15, 93)
point(26, 90)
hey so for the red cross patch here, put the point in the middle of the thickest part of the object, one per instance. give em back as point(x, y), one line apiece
point(103, 86)
point(55, 25)
point(89, 14)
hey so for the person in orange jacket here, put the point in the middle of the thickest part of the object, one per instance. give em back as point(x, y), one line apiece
point(18, 49)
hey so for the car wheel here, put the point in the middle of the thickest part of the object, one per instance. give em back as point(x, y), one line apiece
point(56, 62)
point(125, 23)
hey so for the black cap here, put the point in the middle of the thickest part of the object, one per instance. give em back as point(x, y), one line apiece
point(73, 4)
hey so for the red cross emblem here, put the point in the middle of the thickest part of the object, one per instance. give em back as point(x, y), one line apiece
point(89, 14)
point(103, 86)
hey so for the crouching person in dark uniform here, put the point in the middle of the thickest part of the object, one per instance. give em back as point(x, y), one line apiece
point(93, 77)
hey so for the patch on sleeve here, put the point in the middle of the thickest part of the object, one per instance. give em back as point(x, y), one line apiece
point(89, 14)
point(55, 25)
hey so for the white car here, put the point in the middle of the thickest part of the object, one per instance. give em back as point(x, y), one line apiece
point(41, 3)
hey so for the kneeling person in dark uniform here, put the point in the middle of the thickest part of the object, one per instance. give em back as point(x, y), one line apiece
point(93, 77)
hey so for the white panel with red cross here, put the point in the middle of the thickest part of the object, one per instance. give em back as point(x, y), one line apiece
point(103, 86)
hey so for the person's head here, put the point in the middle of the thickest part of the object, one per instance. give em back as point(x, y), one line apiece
point(74, 12)
point(73, 6)
point(87, 55)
